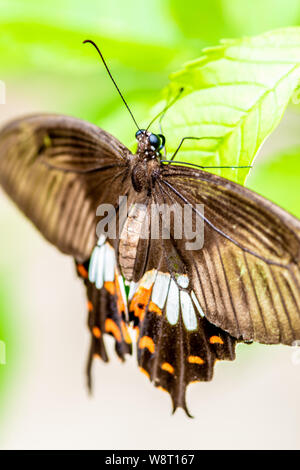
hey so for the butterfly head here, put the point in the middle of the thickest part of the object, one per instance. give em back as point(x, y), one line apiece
point(149, 145)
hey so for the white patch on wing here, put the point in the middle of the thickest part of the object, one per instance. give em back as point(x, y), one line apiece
point(165, 292)
point(188, 311)
point(101, 240)
point(132, 289)
point(100, 268)
point(172, 308)
point(148, 279)
point(102, 264)
point(94, 261)
point(109, 263)
point(172, 294)
point(183, 281)
point(160, 289)
point(94, 264)
point(197, 305)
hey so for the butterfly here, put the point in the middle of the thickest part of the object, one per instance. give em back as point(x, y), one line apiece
point(188, 307)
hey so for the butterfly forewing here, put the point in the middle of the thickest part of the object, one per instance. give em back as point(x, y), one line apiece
point(58, 170)
point(247, 275)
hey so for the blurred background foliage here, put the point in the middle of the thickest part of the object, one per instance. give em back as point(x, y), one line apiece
point(41, 52)
point(143, 42)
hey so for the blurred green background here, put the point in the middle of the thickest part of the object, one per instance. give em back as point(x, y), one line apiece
point(46, 68)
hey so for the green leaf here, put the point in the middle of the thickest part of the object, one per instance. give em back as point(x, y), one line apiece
point(234, 97)
point(210, 21)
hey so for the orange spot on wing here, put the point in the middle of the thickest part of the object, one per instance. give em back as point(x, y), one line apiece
point(216, 340)
point(120, 301)
point(145, 372)
point(125, 333)
point(110, 287)
point(168, 367)
point(90, 306)
point(154, 308)
point(195, 360)
point(147, 342)
point(112, 327)
point(96, 331)
point(82, 271)
point(162, 388)
point(139, 302)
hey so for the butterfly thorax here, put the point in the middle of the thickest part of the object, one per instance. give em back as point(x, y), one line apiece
point(145, 164)
point(143, 174)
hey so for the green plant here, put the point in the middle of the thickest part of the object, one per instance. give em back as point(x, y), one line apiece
point(234, 97)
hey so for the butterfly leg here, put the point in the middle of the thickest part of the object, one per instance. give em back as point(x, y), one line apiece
point(161, 133)
point(181, 142)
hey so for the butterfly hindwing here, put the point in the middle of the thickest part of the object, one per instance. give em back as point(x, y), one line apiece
point(106, 304)
point(176, 345)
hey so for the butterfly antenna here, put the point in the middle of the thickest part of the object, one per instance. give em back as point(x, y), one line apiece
point(163, 111)
point(112, 78)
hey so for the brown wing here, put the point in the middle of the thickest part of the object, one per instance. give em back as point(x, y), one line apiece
point(175, 344)
point(58, 169)
point(171, 355)
point(247, 275)
point(107, 310)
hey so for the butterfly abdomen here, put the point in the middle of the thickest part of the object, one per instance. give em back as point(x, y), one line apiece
point(133, 241)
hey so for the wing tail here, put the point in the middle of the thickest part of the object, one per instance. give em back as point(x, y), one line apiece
point(106, 315)
point(176, 345)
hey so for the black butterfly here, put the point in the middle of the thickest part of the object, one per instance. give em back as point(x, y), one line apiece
point(189, 307)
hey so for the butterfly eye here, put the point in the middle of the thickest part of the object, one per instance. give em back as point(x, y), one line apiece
point(139, 132)
point(154, 140)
